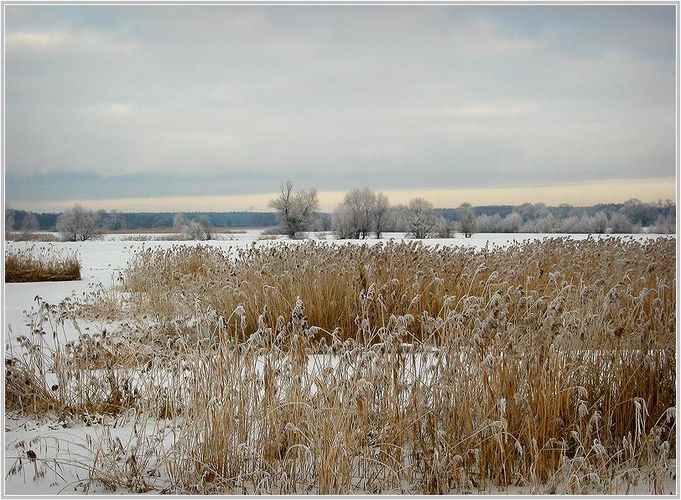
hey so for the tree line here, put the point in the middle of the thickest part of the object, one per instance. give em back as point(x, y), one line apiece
point(362, 213)
point(366, 213)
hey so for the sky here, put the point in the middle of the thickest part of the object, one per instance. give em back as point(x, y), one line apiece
point(212, 107)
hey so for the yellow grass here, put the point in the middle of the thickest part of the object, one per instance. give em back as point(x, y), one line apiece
point(40, 265)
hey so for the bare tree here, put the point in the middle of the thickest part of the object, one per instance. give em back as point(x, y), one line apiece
point(296, 210)
point(206, 226)
point(361, 212)
point(28, 225)
point(9, 221)
point(114, 220)
point(445, 228)
point(467, 219)
point(420, 218)
point(354, 215)
point(381, 213)
point(342, 222)
point(78, 224)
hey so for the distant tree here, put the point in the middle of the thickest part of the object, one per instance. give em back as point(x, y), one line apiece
point(101, 216)
point(620, 223)
point(665, 207)
point(445, 228)
point(115, 220)
point(9, 220)
point(179, 220)
point(78, 224)
point(639, 213)
point(547, 223)
point(342, 222)
point(564, 210)
point(29, 224)
point(665, 224)
point(599, 223)
point(353, 216)
point(296, 211)
point(199, 229)
point(206, 226)
point(420, 218)
point(467, 219)
point(512, 222)
point(111, 221)
point(381, 214)
point(489, 223)
point(528, 211)
point(359, 213)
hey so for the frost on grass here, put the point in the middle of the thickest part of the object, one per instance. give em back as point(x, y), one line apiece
point(546, 367)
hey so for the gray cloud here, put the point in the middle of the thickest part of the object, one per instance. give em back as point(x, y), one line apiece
point(338, 96)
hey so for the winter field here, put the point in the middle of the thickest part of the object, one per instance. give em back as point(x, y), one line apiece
point(498, 364)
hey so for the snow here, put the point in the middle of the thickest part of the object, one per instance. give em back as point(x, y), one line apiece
point(102, 260)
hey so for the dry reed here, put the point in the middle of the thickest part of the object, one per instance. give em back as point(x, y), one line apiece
point(385, 369)
point(40, 265)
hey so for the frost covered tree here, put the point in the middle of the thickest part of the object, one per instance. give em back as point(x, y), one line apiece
point(381, 214)
point(9, 221)
point(78, 224)
point(620, 223)
point(489, 223)
point(664, 224)
point(296, 211)
point(512, 222)
point(28, 225)
point(467, 220)
point(445, 228)
point(353, 216)
point(361, 212)
point(544, 224)
point(199, 229)
point(206, 226)
point(420, 218)
point(599, 222)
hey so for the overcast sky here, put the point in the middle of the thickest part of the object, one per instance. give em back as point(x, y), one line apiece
point(212, 107)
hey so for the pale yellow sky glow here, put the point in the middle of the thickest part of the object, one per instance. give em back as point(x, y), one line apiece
point(582, 194)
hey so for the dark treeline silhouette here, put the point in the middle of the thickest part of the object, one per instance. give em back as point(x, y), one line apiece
point(153, 220)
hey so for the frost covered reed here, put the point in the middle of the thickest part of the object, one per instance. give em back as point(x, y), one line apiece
point(40, 265)
point(548, 366)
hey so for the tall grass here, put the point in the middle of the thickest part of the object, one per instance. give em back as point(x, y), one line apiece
point(387, 369)
point(611, 291)
point(40, 265)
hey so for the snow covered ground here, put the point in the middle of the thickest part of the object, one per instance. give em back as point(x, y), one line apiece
point(102, 261)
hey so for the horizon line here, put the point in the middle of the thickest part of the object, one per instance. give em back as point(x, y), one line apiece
point(579, 194)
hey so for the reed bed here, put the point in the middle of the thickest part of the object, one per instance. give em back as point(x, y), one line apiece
point(40, 265)
point(24, 236)
point(548, 366)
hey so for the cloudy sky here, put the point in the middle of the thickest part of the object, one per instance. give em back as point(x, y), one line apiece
point(212, 107)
